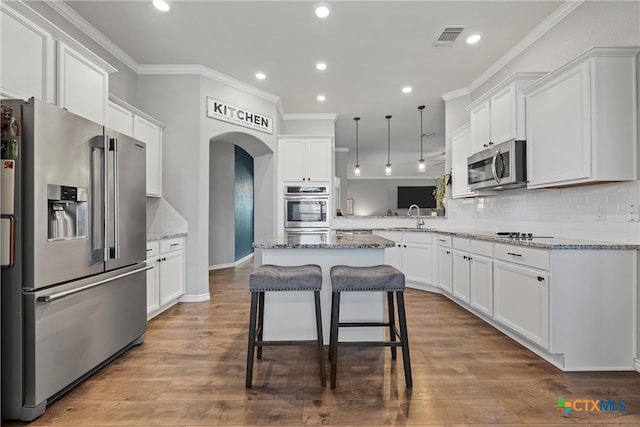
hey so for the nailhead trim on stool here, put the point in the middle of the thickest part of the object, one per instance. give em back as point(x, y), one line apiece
point(276, 278)
point(379, 278)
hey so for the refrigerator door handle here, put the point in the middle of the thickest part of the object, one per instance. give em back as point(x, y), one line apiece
point(101, 253)
point(59, 295)
point(114, 251)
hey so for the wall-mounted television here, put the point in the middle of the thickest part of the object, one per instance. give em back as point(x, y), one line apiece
point(420, 195)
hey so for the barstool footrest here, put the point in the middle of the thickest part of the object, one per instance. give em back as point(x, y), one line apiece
point(370, 343)
point(284, 343)
point(359, 324)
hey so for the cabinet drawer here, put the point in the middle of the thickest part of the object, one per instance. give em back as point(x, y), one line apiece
point(418, 237)
point(481, 247)
point(444, 241)
point(169, 245)
point(536, 258)
point(461, 244)
point(153, 248)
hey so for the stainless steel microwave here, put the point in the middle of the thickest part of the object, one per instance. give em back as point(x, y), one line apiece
point(500, 167)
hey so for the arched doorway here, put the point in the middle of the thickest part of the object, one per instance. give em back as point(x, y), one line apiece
point(240, 196)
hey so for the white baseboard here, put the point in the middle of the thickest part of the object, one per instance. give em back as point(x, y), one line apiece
point(230, 264)
point(195, 298)
point(636, 364)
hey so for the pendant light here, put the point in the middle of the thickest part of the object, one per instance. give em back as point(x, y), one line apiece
point(356, 167)
point(421, 165)
point(387, 170)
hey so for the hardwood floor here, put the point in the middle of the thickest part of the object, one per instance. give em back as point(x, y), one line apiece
point(190, 371)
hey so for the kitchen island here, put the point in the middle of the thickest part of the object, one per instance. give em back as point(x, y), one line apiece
point(289, 315)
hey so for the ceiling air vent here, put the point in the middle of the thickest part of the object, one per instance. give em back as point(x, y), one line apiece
point(449, 36)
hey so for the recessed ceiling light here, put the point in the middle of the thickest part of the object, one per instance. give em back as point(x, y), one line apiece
point(321, 98)
point(475, 38)
point(321, 66)
point(161, 5)
point(322, 10)
point(261, 76)
point(407, 89)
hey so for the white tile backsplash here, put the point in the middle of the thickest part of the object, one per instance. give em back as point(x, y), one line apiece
point(162, 218)
point(563, 212)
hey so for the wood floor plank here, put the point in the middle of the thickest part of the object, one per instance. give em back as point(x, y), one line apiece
point(190, 371)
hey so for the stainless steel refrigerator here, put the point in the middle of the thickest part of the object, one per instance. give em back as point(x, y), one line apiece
point(74, 281)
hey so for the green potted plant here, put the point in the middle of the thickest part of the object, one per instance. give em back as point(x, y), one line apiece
point(439, 193)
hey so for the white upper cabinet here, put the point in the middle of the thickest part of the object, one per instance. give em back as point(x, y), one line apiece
point(305, 159)
point(27, 66)
point(499, 115)
point(582, 121)
point(83, 87)
point(119, 118)
point(460, 150)
point(151, 134)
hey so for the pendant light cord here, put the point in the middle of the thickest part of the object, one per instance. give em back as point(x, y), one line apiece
point(421, 131)
point(388, 139)
point(357, 119)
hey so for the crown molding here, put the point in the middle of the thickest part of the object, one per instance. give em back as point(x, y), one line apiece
point(22, 9)
point(455, 94)
point(78, 21)
point(310, 116)
point(200, 70)
point(541, 29)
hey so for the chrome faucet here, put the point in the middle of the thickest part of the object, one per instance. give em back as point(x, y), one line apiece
point(419, 222)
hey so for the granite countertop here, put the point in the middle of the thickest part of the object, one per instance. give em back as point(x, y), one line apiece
point(350, 241)
point(161, 236)
point(541, 242)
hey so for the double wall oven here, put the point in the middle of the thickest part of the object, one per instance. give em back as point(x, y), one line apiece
point(306, 211)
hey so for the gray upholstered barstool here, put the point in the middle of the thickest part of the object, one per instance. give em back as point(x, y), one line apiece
point(269, 278)
point(382, 278)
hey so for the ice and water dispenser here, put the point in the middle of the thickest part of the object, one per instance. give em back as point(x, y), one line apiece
point(67, 212)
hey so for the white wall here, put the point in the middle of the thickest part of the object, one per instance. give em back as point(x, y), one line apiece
point(374, 196)
point(221, 204)
point(309, 127)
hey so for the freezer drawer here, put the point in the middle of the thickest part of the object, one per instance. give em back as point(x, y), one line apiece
point(72, 329)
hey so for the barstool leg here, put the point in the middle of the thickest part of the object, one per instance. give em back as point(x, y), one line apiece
point(333, 341)
point(320, 340)
point(405, 339)
point(252, 338)
point(260, 321)
point(392, 323)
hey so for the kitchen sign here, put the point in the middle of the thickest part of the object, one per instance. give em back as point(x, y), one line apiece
point(238, 116)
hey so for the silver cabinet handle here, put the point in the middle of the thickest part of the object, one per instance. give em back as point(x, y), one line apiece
point(57, 296)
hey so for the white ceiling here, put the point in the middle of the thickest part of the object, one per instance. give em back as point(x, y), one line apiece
point(372, 48)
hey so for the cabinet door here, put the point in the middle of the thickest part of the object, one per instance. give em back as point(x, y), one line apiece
point(119, 118)
point(171, 276)
point(27, 59)
point(521, 301)
point(292, 161)
point(460, 150)
point(481, 283)
point(416, 262)
point(445, 266)
point(153, 286)
point(480, 125)
point(318, 160)
point(461, 275)
point(558, 130)
point(151, 135)
point(503, 115)
point(83, 87)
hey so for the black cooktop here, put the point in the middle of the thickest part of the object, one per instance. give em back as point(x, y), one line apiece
point(520, 235)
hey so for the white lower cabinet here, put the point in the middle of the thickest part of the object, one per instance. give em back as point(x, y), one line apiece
point(522, 301)
point(445, 264)
point(165, 281)
point(412, 254)
point(473, 273)
point(461, 272)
